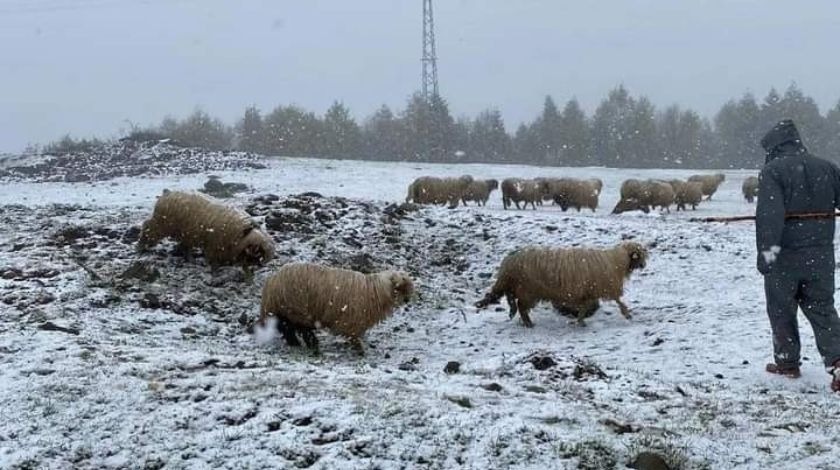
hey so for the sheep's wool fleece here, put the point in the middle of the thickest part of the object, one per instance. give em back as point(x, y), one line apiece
point(198, 222)
point(343, 301)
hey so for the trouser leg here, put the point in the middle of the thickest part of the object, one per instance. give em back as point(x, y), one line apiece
point(780, 291)
point(817, 302)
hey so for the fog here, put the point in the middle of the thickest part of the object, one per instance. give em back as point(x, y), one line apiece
point(89, 67)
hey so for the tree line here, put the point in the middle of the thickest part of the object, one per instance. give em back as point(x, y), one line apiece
point(625, 131)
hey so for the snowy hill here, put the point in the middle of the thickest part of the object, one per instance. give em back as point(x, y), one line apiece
point(115, 360)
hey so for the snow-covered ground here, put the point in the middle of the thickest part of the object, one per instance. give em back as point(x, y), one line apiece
point(160, 372)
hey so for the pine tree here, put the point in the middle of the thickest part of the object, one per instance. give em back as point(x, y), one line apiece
point(249, 131)
point(548, 127)
point(384, 136)
point(341, 134)
point(832, 124)
point(489, 142)
point(738, 127)
point(574, 136)
point(611, 131)
point(291, 131)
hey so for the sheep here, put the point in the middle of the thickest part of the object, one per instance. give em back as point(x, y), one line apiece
point(518, 190)
point(572, 279)
point(479, 191)
point(687, 193)
point(225, 235)
point(433, 190)
point(710, 183)
point(750, 188)
point(597, 184)
point(568, 192)
point(644, 195)
point(306, 296)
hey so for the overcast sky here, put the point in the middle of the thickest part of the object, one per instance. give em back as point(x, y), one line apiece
point(87, 66)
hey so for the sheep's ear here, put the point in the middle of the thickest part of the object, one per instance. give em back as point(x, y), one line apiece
point(247, 230)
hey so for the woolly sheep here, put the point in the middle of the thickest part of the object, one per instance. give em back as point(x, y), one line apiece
point(479, 191)
point(750, 188)
point(225, 235)
point(433, 190)
point(687, 193)
point(644, 195)
point(569, 192)
point(710, 183)
point(572, 278)
point(306, 296)
point(518, 190)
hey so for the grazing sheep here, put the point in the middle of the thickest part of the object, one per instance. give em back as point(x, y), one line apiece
point(644, 195)
point(479, 191)
point(750, 188)
point(518, 190)
point(687, 193)
point(569, 192)
point(572, 279)
point(225, 235)
point(710, 183)
point(433, 190)
point(305, 296)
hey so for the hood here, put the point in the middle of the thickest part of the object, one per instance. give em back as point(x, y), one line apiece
point(783, 136)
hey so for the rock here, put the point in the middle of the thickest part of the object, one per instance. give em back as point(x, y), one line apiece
point(649, 461)
point(76, 177)
point(492, 387)
point(50, 326)
point(460, 401)
point(131, 235)
point(543, 362)
point(452, 367)
point(305, 421)
point(142, 271)
point(151, 301)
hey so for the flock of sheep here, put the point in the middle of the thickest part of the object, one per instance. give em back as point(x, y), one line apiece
point(573, 193)
point(302, 297)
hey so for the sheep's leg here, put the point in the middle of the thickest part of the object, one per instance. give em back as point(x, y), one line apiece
point(289, 332)
point(624, 310)
point(310, 339)
point(356, 344)
point(523, 313)
point(511, 300)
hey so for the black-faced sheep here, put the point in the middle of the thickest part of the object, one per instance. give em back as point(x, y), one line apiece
point(644, 195)
point(710, 183)
point(433, 190)
point(572, 279)
point(479, 191)
point(516, 190)
point(573, 193)
point(225, 235)
point(687, 193)
point(304, 297)
point(750, 188)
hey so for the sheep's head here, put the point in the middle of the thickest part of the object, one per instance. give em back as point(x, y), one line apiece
point(626, 205)
point(402, 287)
point(493, 184)
point(255, 248)
point(637, 254)
point(720, 178)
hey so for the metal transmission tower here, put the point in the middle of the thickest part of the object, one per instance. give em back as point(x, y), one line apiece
point(430, 75)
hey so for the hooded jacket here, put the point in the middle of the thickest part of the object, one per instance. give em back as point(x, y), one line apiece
point(793, 181)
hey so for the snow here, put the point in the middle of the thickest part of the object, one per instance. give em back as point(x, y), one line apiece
point(151, 386)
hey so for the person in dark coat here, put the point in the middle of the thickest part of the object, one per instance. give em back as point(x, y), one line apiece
point(796, 256)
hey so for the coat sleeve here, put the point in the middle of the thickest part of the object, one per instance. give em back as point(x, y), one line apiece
point(769, 219)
